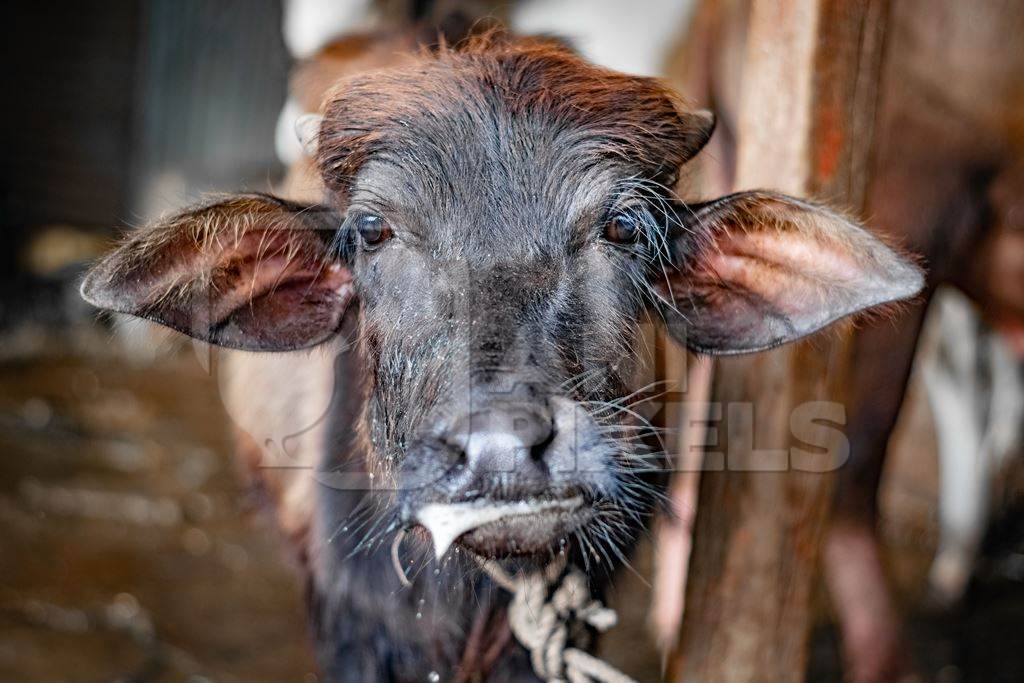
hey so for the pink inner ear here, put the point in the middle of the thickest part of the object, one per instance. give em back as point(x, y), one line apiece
point(249, 272)
point(771, 269)
point(262, 263)
point(264, 289)
point(273, 290)
point(788, 268)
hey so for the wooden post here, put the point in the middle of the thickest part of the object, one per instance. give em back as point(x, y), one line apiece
point(808, 104)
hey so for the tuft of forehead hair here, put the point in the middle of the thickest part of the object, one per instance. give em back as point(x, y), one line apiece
point(498, 84)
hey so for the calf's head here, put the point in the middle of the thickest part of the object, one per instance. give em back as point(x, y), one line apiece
point(501, 218)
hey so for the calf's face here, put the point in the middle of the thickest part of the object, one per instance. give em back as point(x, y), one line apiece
point(501, 218)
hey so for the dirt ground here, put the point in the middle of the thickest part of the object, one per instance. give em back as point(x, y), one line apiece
point(131, 551)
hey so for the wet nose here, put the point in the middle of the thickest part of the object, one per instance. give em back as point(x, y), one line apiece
point(502, 439)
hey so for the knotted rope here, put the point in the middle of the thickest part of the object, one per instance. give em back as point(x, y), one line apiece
point(541, 623)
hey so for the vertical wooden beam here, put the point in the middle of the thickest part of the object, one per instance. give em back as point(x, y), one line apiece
point(809, 92)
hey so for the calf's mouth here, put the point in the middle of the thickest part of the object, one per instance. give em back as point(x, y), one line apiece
point(502, 528)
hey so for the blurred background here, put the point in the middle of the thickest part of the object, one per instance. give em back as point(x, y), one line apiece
point(130, 547)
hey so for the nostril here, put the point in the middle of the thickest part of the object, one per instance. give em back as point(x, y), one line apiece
point(539, 449)
point(460, 459)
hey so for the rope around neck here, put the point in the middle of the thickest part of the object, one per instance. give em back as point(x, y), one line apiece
point(541, 624)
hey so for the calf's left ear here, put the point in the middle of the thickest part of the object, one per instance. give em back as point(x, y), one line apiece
point(249, 271)
point(758, 269)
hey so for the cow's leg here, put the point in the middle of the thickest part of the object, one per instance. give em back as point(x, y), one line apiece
point(958, 400)
point(973, 389)
point(922, 196)
point(868, 619)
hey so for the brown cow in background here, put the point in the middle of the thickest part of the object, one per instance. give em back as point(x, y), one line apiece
point(946, 180)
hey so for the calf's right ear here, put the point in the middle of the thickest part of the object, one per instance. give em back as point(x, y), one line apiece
point(250, 272)
point(758, 269)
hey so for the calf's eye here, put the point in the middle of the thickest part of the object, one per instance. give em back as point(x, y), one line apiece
point(373, 230)
point(621, 229)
